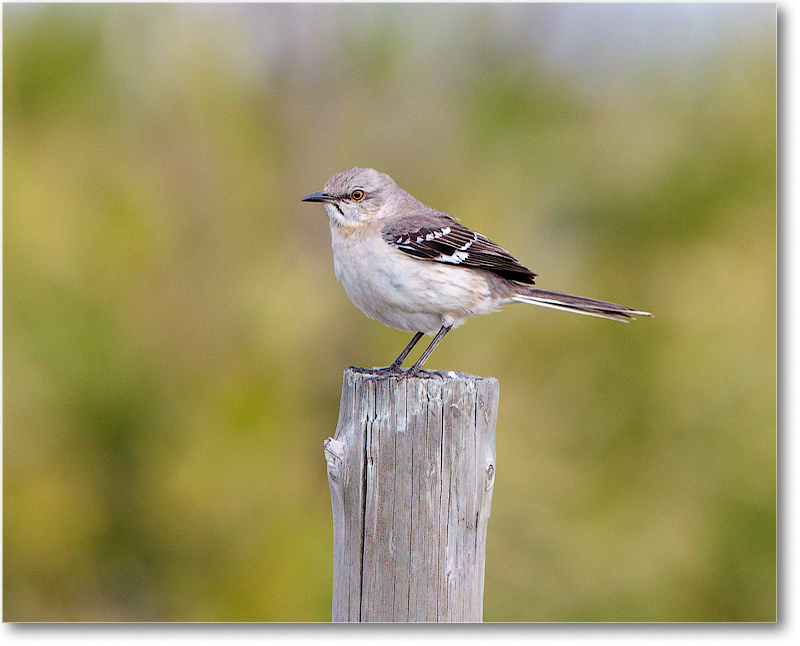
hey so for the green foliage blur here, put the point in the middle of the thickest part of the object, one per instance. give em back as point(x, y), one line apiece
point(174, 337)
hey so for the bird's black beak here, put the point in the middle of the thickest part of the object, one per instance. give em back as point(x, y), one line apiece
point(319, 196)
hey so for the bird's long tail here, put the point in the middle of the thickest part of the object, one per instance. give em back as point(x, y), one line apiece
point(579, 304)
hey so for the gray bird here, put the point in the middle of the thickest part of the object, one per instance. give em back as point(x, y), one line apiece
point(417, 269)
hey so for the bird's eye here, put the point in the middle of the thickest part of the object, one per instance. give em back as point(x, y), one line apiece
point(357, 195)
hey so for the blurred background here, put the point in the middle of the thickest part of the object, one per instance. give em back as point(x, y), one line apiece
point(174, 336)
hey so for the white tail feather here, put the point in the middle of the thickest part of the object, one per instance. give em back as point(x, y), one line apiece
point(579, 304)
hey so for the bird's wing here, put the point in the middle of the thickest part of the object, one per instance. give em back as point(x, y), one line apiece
point(441, 238)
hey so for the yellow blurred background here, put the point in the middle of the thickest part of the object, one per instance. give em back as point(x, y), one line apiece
point(174, 337)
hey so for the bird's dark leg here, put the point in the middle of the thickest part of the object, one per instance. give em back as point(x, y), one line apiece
point(395, 367)
point(439, 336)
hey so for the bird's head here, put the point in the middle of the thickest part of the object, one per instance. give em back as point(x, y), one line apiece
point(356, 196)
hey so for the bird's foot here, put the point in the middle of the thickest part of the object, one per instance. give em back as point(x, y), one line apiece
point(396, 371)
point(388, 370)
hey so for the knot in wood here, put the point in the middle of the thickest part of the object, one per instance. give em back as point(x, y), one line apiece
point(489, 476)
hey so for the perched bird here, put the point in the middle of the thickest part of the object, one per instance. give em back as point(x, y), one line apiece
point(417, 269)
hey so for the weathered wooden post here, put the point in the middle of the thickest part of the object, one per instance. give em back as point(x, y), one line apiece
point(411, 470)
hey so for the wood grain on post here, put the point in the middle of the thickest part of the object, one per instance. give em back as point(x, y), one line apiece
point(411, 471)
